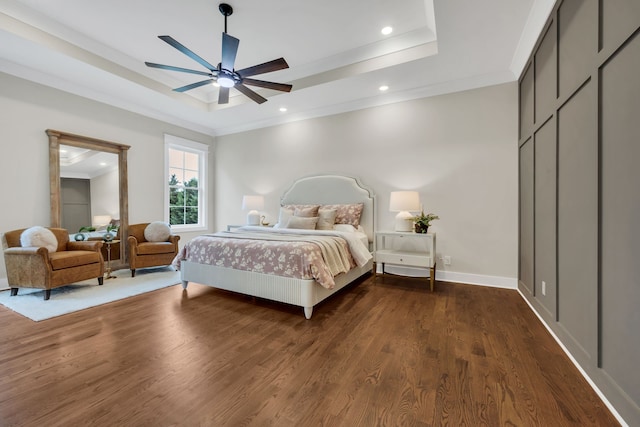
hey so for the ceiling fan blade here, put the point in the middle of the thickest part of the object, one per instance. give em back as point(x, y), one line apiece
point(268, 85)
point(229, 51)
point(170, 40)
point(267, 67)
point(193, 85)
point(183, 70)
point(251, 94)
point(223, 95)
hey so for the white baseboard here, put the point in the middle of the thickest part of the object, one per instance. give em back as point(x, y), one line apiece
point(478, 279)
point(615, 413)
point(452, 276)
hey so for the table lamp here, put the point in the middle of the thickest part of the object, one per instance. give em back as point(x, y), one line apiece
point(403, 202)
point(253, 204)
point(101, 220)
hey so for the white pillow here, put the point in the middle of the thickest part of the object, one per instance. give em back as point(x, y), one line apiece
point(283, 218)
point(345, 227)
point(36, 237)
point(326, 219)
point(157, 231)
point(302, 222)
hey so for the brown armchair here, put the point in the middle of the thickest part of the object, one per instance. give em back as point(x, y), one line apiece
point(144, 254)
point(31, 267)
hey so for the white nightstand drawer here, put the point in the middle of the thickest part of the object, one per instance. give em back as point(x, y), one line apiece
point(403, 258)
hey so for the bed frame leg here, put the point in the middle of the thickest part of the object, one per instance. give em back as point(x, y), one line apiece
point(184, 284)
point(307, 312)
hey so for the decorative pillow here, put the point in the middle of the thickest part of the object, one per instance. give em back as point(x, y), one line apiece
point(347, 213)
point(157, 231)
point(302, 223)
point(326, 219)
point(303, 208)
point(283, 218)
point(306, 212)
point(36, 237)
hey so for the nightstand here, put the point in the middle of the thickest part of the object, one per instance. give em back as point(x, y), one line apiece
point(407, 249)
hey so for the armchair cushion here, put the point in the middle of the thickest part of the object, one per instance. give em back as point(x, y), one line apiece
point(152, 248)
point(157, 231)
point(38, 236)
point(68, 259)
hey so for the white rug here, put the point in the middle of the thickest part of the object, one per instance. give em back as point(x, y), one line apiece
point(67, 299)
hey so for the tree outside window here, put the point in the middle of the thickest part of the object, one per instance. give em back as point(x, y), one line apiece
point(185, 185)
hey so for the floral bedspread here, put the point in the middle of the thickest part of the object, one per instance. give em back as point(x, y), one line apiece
point(303, 256)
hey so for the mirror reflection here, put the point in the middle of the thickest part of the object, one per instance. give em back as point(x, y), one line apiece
point(89, 190)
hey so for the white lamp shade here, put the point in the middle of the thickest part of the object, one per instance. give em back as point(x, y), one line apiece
point(100, 220)
point(403, 202)
point(253, 204)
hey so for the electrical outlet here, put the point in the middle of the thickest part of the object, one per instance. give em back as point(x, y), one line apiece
point(447, 260)
point(544, 288)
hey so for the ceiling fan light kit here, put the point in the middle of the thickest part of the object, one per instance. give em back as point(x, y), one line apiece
point(225, 74)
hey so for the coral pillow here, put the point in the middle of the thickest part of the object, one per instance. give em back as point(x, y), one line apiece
point(157, 231)
point(38, 236)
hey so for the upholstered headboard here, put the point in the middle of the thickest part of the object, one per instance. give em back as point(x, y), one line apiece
point(333, 189)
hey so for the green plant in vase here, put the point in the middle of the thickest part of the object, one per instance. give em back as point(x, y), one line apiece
point(422, 222)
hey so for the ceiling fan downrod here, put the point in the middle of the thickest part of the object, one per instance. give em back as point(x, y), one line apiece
point(226, 10)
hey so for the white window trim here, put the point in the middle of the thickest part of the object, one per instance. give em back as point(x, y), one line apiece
point(171, 141)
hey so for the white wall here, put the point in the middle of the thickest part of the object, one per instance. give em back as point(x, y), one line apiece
point(29, 109)
point(458, 150)
point(105, 194)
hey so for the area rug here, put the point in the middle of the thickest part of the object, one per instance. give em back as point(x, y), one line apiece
point(79, 296)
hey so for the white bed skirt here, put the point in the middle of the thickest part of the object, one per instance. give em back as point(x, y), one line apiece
point(300, 292)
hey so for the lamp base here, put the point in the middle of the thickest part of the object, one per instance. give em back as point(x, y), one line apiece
point(404, 221)
point(253, 218)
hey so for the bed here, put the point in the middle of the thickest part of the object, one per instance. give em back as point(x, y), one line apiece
point(303, 292)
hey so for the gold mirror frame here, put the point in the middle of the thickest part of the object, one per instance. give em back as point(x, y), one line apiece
point(56, 138)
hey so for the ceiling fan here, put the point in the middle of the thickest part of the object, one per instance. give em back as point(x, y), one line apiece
point(224, 74)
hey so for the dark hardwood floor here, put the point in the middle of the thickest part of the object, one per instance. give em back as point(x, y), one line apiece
point(384, 352)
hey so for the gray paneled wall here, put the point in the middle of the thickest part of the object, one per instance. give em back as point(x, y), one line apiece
point(579, 196)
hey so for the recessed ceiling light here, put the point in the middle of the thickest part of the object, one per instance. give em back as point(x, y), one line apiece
point(386, 31)
point(103, 164)
point(283, 109)
point(215, 83)
point(383, 88)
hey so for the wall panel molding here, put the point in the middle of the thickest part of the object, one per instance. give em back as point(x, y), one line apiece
point(586, 83)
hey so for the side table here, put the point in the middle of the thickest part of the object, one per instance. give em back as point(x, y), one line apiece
point(108, 274)
point(388, 252)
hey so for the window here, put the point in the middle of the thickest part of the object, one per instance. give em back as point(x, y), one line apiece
point(185, 197)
